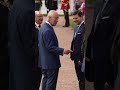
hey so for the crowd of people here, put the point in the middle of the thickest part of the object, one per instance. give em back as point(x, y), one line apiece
point(64, 5)
point(30, 49)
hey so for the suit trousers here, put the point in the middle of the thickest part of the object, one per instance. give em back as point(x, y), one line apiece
point(49, 81)
point(66, 16)
point(103, 74)
point(80, 76)
point(37, 75)
point(117, 81)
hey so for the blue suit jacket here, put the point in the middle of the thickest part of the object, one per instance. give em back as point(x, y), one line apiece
point(76, 44)
point(48, 48)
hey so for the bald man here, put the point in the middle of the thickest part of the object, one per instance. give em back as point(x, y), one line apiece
point(37, 71)
point(49, 60)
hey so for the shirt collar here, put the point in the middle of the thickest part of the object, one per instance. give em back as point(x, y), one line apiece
point(80, 24)
point(49, 23)
point(37, 24)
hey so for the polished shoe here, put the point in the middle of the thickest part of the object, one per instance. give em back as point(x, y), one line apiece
point(65, 26)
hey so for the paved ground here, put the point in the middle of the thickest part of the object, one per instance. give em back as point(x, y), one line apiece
point(67, 79)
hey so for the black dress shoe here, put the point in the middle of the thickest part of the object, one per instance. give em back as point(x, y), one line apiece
point(65, 26)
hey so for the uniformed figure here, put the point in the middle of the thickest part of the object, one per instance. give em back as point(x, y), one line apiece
point(51, 5)
point(65, 7)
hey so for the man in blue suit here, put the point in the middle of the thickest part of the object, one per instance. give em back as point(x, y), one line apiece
point(49, 50)
point(77, 54)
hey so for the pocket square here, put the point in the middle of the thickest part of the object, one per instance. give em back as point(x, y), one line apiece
point(78, 33)
point(105, 17)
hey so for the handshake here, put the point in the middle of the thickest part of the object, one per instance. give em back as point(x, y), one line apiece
point(67, 51)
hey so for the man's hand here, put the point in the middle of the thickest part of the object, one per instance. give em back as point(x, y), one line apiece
point(67, 51)
point(79, 63)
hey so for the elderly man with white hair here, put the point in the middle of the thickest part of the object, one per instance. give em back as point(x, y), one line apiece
point(49, 60)
point(36, 70)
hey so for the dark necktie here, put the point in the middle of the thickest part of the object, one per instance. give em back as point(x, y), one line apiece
point(39, 26)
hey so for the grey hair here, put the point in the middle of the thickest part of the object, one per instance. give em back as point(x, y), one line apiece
point(37, 12)
point(51, 13)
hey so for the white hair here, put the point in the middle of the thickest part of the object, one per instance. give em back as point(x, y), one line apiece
point(37, 12)
point(51, 13)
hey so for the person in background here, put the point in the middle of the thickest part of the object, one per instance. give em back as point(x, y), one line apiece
point(36, 69)
point(77, 4)
point(38, 5)
point(76, 46)
point(65, 7)
point(51, 5)
point(82, 7)
point(49, 60)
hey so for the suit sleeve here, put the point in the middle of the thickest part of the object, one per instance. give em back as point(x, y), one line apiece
point(51, 43)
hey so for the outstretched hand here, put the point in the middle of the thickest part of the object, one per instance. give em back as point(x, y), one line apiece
point(66, 51)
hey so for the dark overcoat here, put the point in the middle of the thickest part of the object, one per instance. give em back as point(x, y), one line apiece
point(4, 59)
point(21, 40)
point(100, 41)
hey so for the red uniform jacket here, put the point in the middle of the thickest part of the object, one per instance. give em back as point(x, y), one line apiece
point(65, 5)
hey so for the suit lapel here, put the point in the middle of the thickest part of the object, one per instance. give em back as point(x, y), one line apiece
point(100, 14)
point(78, 29)
point(52, 29)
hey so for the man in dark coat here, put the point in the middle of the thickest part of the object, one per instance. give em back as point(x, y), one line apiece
point(21, 42)
point(4, 59)
point(51, 5)
point(100, 43)
point(37, 70)
point(76, 47)
point(115, 54)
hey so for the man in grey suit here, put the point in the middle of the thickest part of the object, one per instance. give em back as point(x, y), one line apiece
point(49, 50)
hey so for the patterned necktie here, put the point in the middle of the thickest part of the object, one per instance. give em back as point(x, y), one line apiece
point(76, 30)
